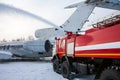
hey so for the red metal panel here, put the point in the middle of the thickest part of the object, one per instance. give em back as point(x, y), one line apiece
point(99, 36)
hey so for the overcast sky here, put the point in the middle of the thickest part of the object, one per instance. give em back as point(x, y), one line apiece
point(15, 25)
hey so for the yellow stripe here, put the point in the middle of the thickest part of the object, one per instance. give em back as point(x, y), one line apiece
point(94, 54)
point(99, 54)
point(60, 52)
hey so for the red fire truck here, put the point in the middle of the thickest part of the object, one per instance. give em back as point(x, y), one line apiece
point(95, 52)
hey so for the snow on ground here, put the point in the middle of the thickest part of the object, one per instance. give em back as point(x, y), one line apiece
point(30, 71)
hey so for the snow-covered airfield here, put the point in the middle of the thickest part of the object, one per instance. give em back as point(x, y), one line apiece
point(31, 71)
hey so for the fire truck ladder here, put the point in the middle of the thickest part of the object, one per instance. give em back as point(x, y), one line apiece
point(107, 22)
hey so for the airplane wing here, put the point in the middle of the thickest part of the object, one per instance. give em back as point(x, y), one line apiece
point(79, 17)
point(110, 4)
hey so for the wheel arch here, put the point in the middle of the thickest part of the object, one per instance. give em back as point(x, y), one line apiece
point(55, 57)
point(65, 58)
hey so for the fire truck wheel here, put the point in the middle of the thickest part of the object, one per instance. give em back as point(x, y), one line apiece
point(110, 74)
point(65, 69)
point(56, 65)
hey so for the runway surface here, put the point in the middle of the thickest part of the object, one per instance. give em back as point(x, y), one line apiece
point(31, 71)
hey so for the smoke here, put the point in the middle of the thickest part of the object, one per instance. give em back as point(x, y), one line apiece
point(10, 9)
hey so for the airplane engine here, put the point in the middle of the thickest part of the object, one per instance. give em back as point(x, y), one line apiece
point(40, 46)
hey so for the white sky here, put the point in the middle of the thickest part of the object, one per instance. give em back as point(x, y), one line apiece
point(14, 26)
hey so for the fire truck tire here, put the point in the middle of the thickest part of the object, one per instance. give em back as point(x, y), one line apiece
point(56, 65)
point(110, 74)
point(65, 69)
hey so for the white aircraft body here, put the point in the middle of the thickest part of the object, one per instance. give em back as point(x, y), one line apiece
point(5, 55)
point(32, 49)
point(29, 49)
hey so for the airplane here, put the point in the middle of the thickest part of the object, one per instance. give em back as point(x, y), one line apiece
point(28, 49)
point(74, 24)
